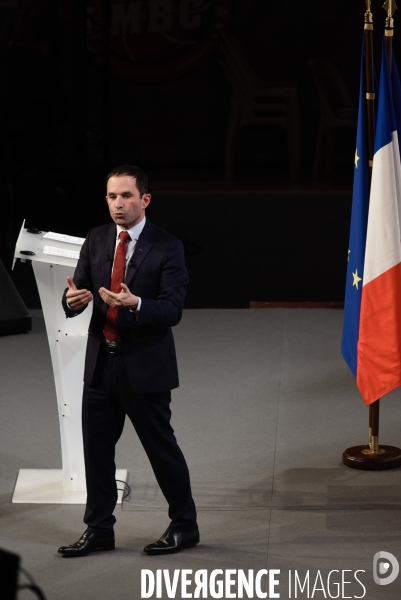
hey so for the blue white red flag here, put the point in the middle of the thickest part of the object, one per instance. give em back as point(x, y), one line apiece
point(378, 368)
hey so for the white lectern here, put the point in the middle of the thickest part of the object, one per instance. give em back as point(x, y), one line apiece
point(54, 256)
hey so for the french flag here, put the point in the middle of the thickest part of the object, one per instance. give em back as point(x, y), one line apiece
point(378, 349)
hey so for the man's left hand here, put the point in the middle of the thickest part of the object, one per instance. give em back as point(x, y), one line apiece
point(124, 298)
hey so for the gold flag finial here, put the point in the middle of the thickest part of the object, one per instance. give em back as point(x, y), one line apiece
point(368, 16)
point(390, 7)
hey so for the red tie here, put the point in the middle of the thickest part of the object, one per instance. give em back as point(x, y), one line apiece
point(111, 327)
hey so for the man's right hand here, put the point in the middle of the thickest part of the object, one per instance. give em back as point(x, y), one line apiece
point(77, 299)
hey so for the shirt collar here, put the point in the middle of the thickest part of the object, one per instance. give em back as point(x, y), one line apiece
point(135, 231)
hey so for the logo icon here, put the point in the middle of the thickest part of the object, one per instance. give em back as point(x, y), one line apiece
point(385, 563)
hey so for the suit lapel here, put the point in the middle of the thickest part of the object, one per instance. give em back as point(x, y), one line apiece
point(143, 245)
point(108, 246)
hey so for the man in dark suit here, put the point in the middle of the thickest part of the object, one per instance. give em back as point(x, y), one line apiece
point(135, 275)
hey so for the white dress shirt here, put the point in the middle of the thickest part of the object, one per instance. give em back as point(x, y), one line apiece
point(134, 234)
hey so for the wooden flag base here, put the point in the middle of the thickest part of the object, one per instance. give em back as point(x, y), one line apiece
point(362, 457)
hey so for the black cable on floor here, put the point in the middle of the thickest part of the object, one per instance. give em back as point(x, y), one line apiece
point(31, 585)
point(126, 491)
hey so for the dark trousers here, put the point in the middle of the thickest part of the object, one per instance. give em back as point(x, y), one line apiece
point(105, 404)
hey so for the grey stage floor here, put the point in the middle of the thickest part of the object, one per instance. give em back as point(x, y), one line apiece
point(265, 409)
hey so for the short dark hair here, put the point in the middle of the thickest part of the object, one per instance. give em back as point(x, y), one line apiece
point(133, 171)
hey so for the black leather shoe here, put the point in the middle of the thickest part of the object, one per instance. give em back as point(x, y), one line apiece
point(89, 542)
point(173, 541)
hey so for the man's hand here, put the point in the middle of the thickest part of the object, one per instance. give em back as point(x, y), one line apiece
point(77, 299)
point(124, 298)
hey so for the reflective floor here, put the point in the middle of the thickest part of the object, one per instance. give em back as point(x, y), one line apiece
point(265, 408)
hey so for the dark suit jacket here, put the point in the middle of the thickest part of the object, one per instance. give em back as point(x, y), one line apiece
point(157, 274)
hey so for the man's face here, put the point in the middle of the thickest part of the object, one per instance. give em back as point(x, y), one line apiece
point(126, 206)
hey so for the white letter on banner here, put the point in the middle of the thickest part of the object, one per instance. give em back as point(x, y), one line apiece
point(147, 575)
point(244, 583)
point(185, 582)
point(171, 588)
point(364, 589)
point(201, 583)
point(321, 589)
point(335, 584)
point(301, 587)
point(344, 582)
point(273, 582)
point(158, 583)
point(258, 589)
point(212, 584)
point(229, 583)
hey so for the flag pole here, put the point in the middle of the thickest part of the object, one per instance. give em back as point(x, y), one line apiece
point(374, 408)
point(370, 84)
point(390, 7)
point(371, 456)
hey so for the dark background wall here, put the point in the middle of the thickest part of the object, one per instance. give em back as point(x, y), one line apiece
point(88, 85)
